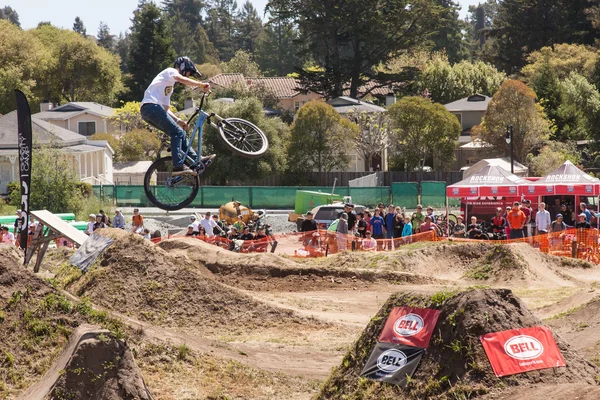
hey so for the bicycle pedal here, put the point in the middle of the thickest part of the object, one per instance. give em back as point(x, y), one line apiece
point(200, 168)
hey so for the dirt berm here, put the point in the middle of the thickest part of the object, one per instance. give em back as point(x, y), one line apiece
point(137, 278)
point(455, 365)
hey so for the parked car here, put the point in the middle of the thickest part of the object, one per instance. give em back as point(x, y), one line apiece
point(324, 215)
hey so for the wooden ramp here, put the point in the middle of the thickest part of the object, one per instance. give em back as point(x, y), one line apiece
point(50, 228)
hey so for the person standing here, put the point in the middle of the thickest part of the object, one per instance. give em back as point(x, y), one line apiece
point(361, 225)
point(418, 218)
point(527, 211)
point(99, 224)
point(398, 224)
point(459, 228)
point(349, 209)
point(542, 219)
point(105, 218)
point(583, 223)
point(195, 223)
point(342, 232)
point(408, 229)
point(90, 226)
point(308, 227)
point(18, 227)
point(584, 210)
point(568, 217)
point(389, 222)
point(516, 220)
point(209, 225)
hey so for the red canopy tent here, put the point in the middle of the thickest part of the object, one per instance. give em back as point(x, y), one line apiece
point(565, 180)
point(488, 181)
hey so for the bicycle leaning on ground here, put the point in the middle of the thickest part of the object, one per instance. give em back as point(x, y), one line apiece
point(170, 192)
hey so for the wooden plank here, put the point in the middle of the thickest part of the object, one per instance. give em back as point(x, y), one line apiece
point(60, 227)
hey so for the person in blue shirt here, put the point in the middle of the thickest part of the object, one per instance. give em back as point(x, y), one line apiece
point(378, 225)
point(389, 221)
point(584, 210)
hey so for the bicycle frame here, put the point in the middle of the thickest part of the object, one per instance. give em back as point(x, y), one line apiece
point(203, 116)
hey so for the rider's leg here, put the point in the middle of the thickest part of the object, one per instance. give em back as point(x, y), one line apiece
point(156, 115)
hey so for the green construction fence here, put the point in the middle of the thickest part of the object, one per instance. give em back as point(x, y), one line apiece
point(403, 194)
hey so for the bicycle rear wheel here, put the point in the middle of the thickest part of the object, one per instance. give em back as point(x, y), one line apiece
point(169, 192)
point(243, 138)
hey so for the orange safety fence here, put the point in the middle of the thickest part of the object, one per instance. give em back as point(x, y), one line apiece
point(585, 243)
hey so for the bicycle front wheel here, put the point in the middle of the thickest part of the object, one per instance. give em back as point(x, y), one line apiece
point(169, 192)
point(243, 138)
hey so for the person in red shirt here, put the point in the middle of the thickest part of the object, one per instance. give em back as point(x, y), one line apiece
point(516, 220)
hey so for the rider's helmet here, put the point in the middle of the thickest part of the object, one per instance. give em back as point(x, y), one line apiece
point(184, 64)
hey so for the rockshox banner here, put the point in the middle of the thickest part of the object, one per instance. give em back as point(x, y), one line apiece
point(521, 350)
point(410, 326)
point(392, 363)
point(25, 143)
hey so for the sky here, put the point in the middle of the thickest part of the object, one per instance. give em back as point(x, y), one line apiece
point(116, 13)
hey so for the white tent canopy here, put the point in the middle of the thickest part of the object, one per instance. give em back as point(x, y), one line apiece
point(504, 163)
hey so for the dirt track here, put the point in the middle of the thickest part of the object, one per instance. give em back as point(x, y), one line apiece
point(299, 317)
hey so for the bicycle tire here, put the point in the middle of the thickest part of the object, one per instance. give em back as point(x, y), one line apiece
point(243, 138)
point(169, 192)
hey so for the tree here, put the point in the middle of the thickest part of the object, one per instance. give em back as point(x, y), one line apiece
point(77, 69)
point(279, 50)
point(105, 39)
point(228, 166)
point(79, 27)
point(524, 26)
point(514, 104)
point(480, 20)
point(423, 129)
point(552, 156)
point(562, 59)
point(321, 139)
point(22, 60)
point(10, 14)
point(347, 39)
point(128, 117)
point(150, 49)
point(547, 88)
point(579, 108)
point(446, 82)
point(248, 27)
point(242, 63)
point(189, 10)
point(122, 46)
point(448, 34)
point(138, 145)
point(220, 27)
point(374, 137)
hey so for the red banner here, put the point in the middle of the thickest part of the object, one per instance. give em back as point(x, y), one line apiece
point(521, 350)
point(410, 326)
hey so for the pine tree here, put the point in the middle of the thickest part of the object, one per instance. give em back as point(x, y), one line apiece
point(150, 50)
point(448, 35)
point(220, 27)
point(122, 48)
point(10, 14)
point(105, 39)
point(79, 27)
point(248, 27)
point(189, 10)
point(278, 49)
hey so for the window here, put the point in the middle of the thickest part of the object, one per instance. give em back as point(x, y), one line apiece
point(298, 104)
point(86, 128)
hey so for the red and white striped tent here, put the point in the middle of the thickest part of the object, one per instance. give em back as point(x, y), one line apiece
point(488, 181)
point(565, 180)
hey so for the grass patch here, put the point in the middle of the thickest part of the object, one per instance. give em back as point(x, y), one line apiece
point(66, 275)
point(480, 273)
point(565, 313)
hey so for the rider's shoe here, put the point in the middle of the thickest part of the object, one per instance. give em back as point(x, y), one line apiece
point(207, 160)
point(183, 170)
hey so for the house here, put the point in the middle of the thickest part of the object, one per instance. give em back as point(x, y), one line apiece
point(91, 159)
point(470, 112)
point(85, 118)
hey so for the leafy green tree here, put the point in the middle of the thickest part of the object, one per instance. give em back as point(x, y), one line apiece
point(480, 19)
point(579, 108)
point(248, 27)
point(514, 104)
point(122, 47)
point(446, 82)
point(77, 69)
point(22, 60)
point(10, 14)
point(227, 165)
point(547, 88)
point(105, 39)
point(422, 129)
point(128, 117)
point(321, 139)
point(524, 26)
point(348, 39)
point(188, 10)
point(79, 27)
point(150, 49)
point(138, 145)
point(242, 63)
point(279, 50)
point(54, 185)
point(562, 59)
point(552, 156)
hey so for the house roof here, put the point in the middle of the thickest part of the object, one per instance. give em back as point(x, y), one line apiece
point(226, 80)
point(476, 144)
point(43, 133)
point(476, 102)
point(345, 104)
point(73, 109)
point(282, 87)
point(373, 88)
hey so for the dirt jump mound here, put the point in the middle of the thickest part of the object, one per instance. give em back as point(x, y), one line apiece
point(455, 364)
point(137, 278)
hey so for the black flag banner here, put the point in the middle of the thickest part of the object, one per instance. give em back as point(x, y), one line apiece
point(25, 143)
point(392, 363)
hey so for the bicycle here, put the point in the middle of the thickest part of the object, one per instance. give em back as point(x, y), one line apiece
point(172, 193)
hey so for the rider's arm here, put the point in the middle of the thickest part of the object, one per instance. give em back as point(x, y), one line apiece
point(192, 82)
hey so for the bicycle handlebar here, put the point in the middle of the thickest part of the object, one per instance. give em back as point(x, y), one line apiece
point(204, 95)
